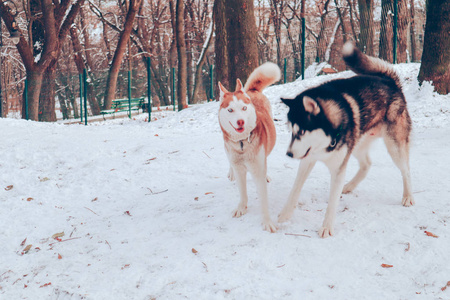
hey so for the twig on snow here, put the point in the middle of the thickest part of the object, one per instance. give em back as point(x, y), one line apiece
point(91, 210)
point(154, 193)
point(297, 234)
point(75, 238)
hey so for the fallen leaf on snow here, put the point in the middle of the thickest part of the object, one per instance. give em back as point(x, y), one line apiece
point(58, 235)
point(44, 285)
point(446, 286)
point(29, 199)
point(44, 179)
point(9, 187)
point(430, 234)
point(27, 248)
point(386, 266)
point(23, 242)
point(209, 193)
point(126, 266)
point(194, 251)
point(59, 256)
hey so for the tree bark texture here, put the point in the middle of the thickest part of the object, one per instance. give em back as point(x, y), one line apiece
point(435, 65)
point(182, 58)
point(366, 34)
point(236, 19)
point(402, 26)
point(221, 48)
point(386, 47)
point(412, 30)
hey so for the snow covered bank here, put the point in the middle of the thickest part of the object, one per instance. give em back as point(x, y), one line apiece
point(125, 209)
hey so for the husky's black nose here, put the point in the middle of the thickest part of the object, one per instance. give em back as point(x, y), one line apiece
point(290, 154)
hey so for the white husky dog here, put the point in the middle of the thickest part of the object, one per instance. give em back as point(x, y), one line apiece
point(249, 135)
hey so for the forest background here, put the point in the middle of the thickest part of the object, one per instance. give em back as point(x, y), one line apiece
point(111, 39)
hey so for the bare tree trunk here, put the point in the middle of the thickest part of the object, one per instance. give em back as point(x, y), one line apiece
point(366, 26)
point(435, 65)
point(276, 12)
point(173, 46)
point(34, 89)
point(55, 19)
point(321, 40)
point(242, 43)
point(352, 20)
point(402, 26)
point(200, 63)
point(182, 58)
point(79, 62)
point(47, 96)
point(412, 33)
point(221, 41)
point(386, 47)
point(341, 18)
point(111, 83)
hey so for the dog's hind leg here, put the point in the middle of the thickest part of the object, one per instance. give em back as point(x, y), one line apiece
point(303, 172)
point(240, 173)
point(361, 153)
point(399, 151)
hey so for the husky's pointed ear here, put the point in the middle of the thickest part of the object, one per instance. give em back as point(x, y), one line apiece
point(223, 90)
point(286, 101)
point(311, 105)
point(238, 85)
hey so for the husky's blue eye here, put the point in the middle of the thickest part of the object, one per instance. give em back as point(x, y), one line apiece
point(299, 134)
point(230, 110)
point(244, 108)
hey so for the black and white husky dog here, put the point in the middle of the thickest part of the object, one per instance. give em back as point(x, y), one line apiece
point(343, 117)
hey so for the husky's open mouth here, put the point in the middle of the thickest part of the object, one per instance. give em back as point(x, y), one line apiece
point(239, 129)
point(306, 154)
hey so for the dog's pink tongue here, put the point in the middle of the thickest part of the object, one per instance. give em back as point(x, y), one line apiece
point(240, 130)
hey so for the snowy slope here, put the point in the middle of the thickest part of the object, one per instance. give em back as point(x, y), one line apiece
point(145, 209)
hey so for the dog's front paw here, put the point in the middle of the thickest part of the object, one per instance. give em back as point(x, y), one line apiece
point(326, 231)
point(231, 174)
point(269, 226)
point(285, 214)
point(348, 188)
point(239, 211)
point(408, 201)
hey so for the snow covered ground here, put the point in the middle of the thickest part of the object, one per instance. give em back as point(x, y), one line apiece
point(127, 209)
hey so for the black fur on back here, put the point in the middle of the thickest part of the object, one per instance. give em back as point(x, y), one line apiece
point(373, 96)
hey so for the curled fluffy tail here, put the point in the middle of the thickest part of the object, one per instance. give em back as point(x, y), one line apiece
point(360, 63)
point(263, 76)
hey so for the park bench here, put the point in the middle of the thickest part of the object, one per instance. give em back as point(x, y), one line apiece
point(123, 105)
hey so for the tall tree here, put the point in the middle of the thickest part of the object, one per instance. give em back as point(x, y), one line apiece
point(236, 40)
point(321, 38)
point(402, 27)
point(412, 32)
point(182, 58)
point(435, 65)
point(111, 83)
point(49, 23)
point(366, 26)
point(386, 50)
